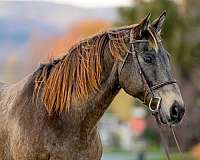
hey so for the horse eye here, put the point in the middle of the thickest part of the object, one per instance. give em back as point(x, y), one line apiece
point(149, 58)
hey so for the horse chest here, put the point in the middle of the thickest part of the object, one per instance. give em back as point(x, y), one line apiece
point(77, 146)
point(56, 143)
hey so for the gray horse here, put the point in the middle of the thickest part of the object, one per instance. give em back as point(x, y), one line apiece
point(53, 113)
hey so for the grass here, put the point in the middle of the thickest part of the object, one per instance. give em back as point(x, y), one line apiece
point(154, 154)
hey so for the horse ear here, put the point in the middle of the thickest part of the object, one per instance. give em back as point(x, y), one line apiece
point(142, 26)
point(158, 22)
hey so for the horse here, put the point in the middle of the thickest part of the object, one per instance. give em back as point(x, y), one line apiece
point(52, 114)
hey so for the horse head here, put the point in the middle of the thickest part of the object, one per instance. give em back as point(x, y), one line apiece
point(145, 72)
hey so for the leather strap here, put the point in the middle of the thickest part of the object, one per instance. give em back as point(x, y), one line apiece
point(161, 132)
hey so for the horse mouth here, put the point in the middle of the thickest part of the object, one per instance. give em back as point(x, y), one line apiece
point(162, 119)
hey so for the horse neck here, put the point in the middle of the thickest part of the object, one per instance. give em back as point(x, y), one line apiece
point(94, 107)
point(108, 89)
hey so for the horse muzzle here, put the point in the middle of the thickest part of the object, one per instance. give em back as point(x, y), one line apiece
point(177, 111)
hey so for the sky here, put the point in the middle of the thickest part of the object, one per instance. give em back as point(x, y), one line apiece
point(93, 3)
point(20, 20)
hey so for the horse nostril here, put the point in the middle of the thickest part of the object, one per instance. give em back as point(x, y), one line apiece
point(177, 112)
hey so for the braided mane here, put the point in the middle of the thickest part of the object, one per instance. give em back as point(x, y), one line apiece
point(73, 77)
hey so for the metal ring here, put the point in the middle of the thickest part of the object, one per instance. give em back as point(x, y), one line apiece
point(157, 105)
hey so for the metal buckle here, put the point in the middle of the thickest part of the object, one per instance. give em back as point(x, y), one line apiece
point(151, 107)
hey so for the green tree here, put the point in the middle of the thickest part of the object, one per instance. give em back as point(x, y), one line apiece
point(176, 31)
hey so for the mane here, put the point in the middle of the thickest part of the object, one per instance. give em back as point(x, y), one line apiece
point(73, 77)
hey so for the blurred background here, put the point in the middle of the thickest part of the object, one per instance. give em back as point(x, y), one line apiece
point(31, 32)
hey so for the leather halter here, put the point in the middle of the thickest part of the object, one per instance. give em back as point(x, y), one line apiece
point(148, 90)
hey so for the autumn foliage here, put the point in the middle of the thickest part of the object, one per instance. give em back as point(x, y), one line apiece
point(196, 152)
point(76, 33)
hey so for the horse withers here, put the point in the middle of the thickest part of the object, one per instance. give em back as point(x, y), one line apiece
point(52, 114)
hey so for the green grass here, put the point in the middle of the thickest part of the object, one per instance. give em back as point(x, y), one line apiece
point(150, 155)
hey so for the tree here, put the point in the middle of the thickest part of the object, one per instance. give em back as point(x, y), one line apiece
point(176, 32)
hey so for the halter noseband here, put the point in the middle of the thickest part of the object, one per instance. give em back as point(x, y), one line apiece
point(147, 88)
